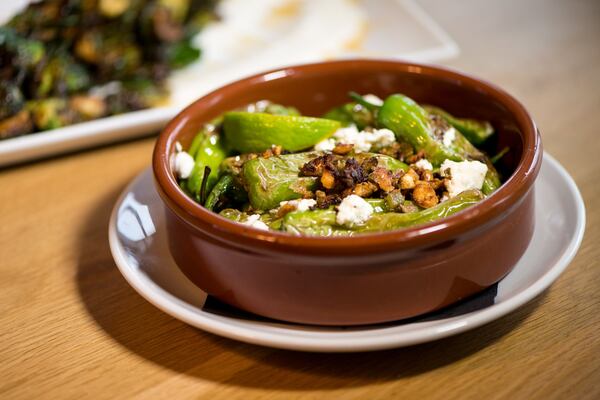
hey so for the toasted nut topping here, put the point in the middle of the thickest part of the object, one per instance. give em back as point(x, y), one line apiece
point(424, 195)
point(426, 175)
point(284, 209)
point(383, 178)
point(342, 149)
point(364, 189)
point(327, 180)
point(409, 180)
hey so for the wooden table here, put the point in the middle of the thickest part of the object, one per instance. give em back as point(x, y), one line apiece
point(71, 327)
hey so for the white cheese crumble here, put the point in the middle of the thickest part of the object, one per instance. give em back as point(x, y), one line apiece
point(375, 100)
point(255, 222)
point(325, 145)
point(424, 164)
point(464, 175)
point(184, 162)
point(301, 204)
point(351, 135)
point(353, 210)
point(449, 136)
point(383, 137)
point(363, 141)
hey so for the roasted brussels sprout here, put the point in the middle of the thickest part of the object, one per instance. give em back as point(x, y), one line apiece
point(56, 53)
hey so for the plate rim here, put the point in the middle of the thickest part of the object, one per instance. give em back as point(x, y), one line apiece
point(283, 338)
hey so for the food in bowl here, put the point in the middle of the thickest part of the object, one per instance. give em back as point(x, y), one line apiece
point(369, 165)
point(362, 278)
point(70, 61)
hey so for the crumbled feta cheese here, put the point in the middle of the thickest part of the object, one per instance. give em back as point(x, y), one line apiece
point(353, 210)
point(375, 100)
point(424, 164)
point(351, 135)
point(449, 136)
point(362, 140)
point(382, 137)
point(301, 204)
point(184, 163)
point(464, 175)
point(325, 145)
point(178, 147)
point(255, 222)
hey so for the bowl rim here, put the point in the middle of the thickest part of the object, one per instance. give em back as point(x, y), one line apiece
point(236, 234)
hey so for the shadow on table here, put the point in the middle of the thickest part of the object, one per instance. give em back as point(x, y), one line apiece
point(146, 331)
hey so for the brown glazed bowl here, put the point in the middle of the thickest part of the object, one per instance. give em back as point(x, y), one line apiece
point(362, 279)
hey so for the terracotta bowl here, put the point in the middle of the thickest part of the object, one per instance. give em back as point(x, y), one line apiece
point(363, 279)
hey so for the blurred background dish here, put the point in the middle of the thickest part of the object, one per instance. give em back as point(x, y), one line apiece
point(236, 40)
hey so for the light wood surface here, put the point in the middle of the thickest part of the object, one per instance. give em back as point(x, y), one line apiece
point(71, 327)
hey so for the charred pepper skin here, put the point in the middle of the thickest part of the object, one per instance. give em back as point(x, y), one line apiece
point(352, 113)
point(272, 180)
point(323, 222)
point(476, 131)
point(210, 153)
point(228, 189)
point(410, 122)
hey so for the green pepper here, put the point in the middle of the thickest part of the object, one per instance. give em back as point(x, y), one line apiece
point(475, 131)
point(323, 222)
point(210, 153)
point(275, 179)
point(384, 161)
point(257, 132)
point(206, 130)
point(227, 190)
point(379, 205)
point(272, 180)
point(391, 221)
point(410, 122)
point(232, 214)
point(314, 223)
point(351, 113)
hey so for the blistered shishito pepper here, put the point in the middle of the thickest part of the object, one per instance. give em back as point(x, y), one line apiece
point(410, 122)
point(352, 113)
point(474, 130)
point(272, 180)
point(273, 222)
point(249, 132)
point(323, 222)
point(209, 152)
point(226, 191)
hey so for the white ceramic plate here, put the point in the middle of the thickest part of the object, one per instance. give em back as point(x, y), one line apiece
point(234, 48)
point(139, 247)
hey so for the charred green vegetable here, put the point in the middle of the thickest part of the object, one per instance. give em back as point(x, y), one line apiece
point(55, 50)
point(411, 123)
point(475, 131)
point(269, 168)
point(323, 222)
